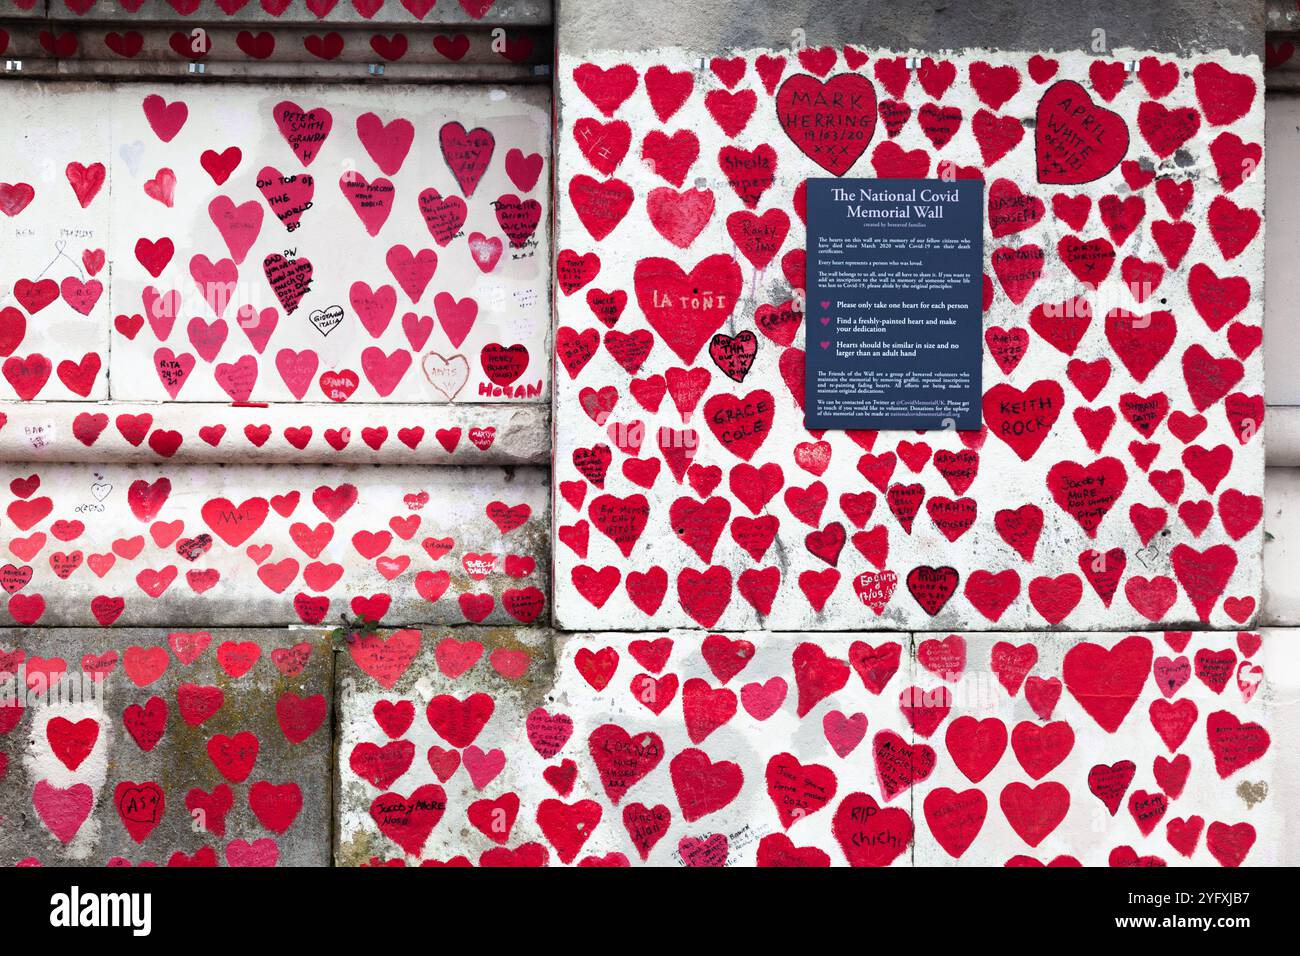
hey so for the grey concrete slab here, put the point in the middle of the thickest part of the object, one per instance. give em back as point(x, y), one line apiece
point(398, 777)
point(1281, 604)
point(1282, 663)
point(206, 745)
point(1282, 233)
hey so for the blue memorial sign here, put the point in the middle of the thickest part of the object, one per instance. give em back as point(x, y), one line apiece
point(894, 308)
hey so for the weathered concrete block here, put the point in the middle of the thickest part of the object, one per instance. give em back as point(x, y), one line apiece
point(600, 766)
point(248, 545)
point(1282, 548)
point(429, 725)
point(133, 746)
point(1282, 226)
point(769, 748)
point(1117, 480)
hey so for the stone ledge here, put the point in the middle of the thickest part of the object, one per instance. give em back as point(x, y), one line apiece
point(305, 434)
point(1282, 436)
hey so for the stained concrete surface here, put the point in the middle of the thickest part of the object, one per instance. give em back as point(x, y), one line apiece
point(89, 780)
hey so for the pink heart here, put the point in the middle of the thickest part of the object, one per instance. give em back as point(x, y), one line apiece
point(412, 270)
point(63, 811)
point(844, 733)
point(81, 296)
point(485, 251)
point(385, 371)
point(763, 700)
point(288, 196)
point(523, 170)
point(238, 225)
point(483, 767)
point(165, 118)
point(387, 144)
point(457, 318)
point(418, 328)
point(373, 307)
point(162, 187)
point(238, 378)
point(372, 201)
point(304, 130)
point(217, 280)
point(160, 309)
point(263, 852)
point(207, 337)
point(173, 370)
point(297, 369)
point(258, 326)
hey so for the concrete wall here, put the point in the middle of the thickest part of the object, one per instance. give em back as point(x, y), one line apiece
point(267, 266)
point(134, 747)
point(673, 556)
point(820, 707)
point(1067, 509)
